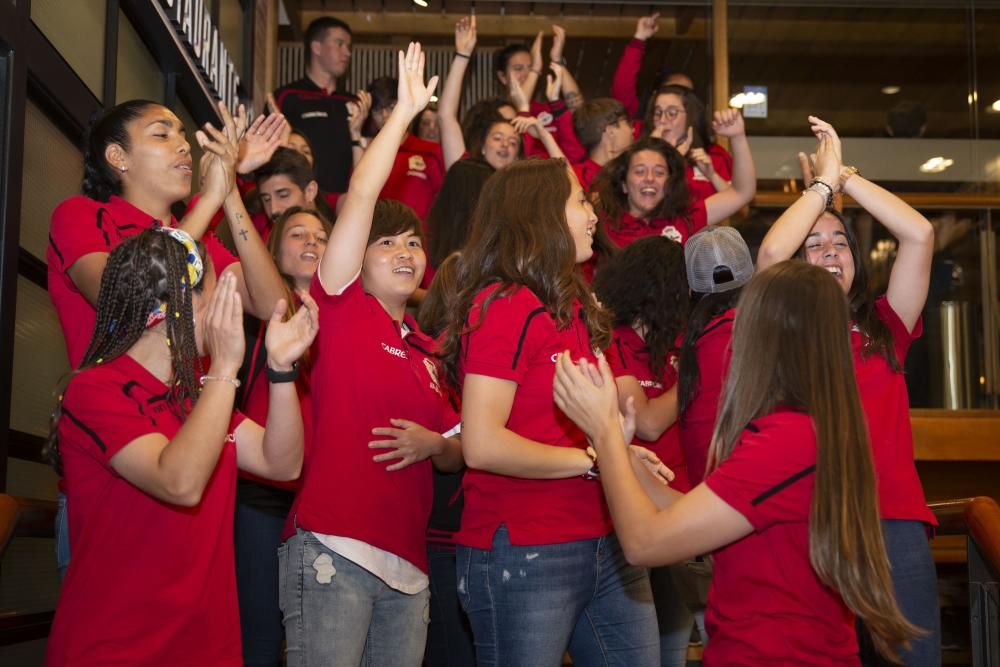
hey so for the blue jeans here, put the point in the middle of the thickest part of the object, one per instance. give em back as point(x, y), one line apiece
point(62, 536)
point(449, 636)
point(257, 536)
point(337, 613)
point(673, 617)
point(915, 581)
point(529, 604)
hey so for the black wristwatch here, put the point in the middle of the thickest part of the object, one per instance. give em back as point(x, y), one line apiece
point(275, 377)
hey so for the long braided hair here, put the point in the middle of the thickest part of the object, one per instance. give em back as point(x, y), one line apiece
point(143, 272)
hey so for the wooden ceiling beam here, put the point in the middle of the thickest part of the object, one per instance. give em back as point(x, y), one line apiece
point(422, 23)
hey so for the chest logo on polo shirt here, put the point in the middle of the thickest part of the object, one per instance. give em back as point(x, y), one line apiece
point(650, 384)
point(394, 351)
point(545, 118)
point(433, 372)
point(314, 114)
point(416, 163)
point(671, 233)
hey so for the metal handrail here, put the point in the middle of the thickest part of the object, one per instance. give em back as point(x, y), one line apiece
point(979, 518)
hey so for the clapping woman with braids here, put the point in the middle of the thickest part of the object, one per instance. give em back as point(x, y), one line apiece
point(149, 445)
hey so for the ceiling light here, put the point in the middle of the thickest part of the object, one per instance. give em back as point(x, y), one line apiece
point(891, 90)
point(420, 3)
point(434, 98)
point(740, 100)
point(936, 165)
point(996, 106)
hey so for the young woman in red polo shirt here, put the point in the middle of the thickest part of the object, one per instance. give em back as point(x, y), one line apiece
point(137, 164)
point(354, 575)
point(648, 316)
point(149, 445)
point(539, 568)
point(883, 329)
point(297, 243)
point(789, 510)
point(643, 191)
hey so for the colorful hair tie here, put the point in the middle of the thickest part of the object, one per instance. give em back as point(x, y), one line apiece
point(195, 267)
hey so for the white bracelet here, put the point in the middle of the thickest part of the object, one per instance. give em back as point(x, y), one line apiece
point(219, 378)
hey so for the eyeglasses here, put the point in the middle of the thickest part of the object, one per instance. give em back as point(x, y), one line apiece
point(669, 112)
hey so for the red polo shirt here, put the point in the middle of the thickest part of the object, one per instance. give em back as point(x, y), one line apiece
point(150, 583)
point(887, 408)
point(766, 605)
point(80, 226)
point(676, 229)
point(366, 372)
point(697, 424)
point(628, 357)
point(516, 339)
point(416, 176)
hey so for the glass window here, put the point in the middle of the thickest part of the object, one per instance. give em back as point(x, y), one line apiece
point(231, 31)
point(53, 168)
point(138, 75)
point(76, 29)
point(39, 359)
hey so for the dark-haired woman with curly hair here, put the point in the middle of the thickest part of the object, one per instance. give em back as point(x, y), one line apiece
point(649, 315)
point(539, 568)
point(149, 445)
point(643, 191)
point(882, 330)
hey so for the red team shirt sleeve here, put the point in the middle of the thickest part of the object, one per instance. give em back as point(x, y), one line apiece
point(759, 478)
point(75, 231)
point(498, 347)
point(623, 83)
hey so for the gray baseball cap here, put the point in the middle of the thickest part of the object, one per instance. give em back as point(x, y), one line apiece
point(716, 248)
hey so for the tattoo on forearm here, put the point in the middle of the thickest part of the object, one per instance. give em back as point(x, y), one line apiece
point(239, 218)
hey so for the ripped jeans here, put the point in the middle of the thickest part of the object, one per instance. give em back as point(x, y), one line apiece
point(337, 613)
point(530, 604)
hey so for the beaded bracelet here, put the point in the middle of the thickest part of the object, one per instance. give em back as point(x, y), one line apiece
point(829, 191)
point(219, 378)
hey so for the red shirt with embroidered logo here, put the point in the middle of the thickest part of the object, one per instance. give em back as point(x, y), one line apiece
point(149, 583)
point(631, 228)
point(518, 340)
point(366, 372)
point(416, 175)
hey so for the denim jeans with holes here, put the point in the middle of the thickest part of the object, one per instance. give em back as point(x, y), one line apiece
point(530, 604)
point(337, 613)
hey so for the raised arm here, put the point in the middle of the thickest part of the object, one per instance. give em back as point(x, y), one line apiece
point(562, 117)
point(275, 451)
point(570, 88)
point(623, 85)
point(910, 277)
point(721, 205)
point(345, 249)
point(535, 73)
point(790, 230)
point(258, 280)
point(452, 141)
point(357, 112)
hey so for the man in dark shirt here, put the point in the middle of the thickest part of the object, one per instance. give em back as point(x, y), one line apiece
point(313, 105)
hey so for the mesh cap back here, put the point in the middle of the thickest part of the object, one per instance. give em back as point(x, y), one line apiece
point(712, 249)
